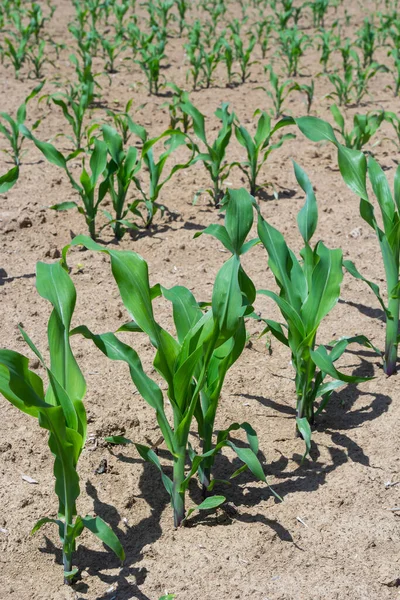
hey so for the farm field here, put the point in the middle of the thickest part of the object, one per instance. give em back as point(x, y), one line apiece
point(325, 525)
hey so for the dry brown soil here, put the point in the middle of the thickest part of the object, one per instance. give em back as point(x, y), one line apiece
point(334, 536)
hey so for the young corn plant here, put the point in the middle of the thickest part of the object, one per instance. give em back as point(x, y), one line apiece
point(182, 8)
point(276, 91)
point(243, 56)
point(309, 288)
point(193, 363)
point(354, 168)
point(293, 44)
point(319, 9)
point(308, 91)
point(364, 127)
point(209, 61)
point(214, 157)
point(344, 86)
point(150, 63)
point(59, 410)
point(263, 29)
point(17, 52)
point(259, 147)
point(90, 190)
point(363, 75)
point(74, 108)
point(112, 48)
point(327, 43)
point(123, 121)
point(367, 41)
point(9, 128)
point(155, 169)
point(177, 118)
point(121, 171)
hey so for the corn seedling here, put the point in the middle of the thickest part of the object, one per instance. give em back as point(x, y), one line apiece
point(395, 72)
point(111, 50)
point(91, 192)
point(367, 41)
point(328, 43)
point(243, 56)
point(177, 118)
point(293, 44)
point(308, 290)
point(259, 147)
point(354, 168)
point(308, 91)
point(228, 57)
point(263, 31)
point(38, 58)
point(17, 52)
point(364, 127)
point(150, 63)
point(209, 61)
point(9, 127)
point(344, 86)
point(59, 410)
point(121, 170)
point(319, 9)
point(193, 364)
point(182, 7)
point(363, 75)
point(123, 121)
point(276, 91)
point(214, 157)
point(155, 168)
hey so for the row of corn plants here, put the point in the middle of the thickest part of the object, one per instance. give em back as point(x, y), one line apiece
point(209, 338)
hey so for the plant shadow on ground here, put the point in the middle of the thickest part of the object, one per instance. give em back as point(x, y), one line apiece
point(126, 583)
point(372, 313)
point(263, 195)
point(306, 477)
point(337, 418)
point(4, 278)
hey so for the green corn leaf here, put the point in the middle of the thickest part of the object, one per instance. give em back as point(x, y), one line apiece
point(50, 152)
point(64, 205)
point(305, 430)
point(186, 310)
point(351, 268)
point(326, 280)
point(283, 264)
point(227, 297)
point(54, 284)
point(39, 524)
point(307, 217)
point(287, 311)
point(382, 192)
point(9, 179)
point(220, 233)
point(101, 530)
point(353, 168)
point(208, 504)
point(324, 362)
point(150, 456)
point(239, 216)
point(98, 160)
point(247, 456)
point(20, 386)
point(118, 440)
point(114, 349)
point(316, 129)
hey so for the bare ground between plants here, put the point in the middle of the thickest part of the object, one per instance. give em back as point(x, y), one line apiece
point(334, 537)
